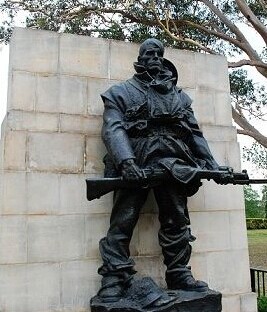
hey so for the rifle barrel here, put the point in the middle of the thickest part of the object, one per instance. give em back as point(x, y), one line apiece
point(257, 181)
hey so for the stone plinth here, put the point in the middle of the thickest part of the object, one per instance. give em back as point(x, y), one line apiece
point(51, 142)
point(209, 301)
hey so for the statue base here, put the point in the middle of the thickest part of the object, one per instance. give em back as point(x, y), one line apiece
point(181, 301)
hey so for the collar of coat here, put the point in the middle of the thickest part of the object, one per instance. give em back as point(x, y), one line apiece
point(163, 83)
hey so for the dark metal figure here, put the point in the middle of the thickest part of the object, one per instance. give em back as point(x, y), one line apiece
point(149, 122)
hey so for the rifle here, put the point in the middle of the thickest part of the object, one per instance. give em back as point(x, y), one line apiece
point(97, 187)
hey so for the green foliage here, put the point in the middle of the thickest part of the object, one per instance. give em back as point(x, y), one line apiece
point(133, 21)
point(257, 154)
point(247, 95)
point(256, 223)
point(250, 99)
point(253, 203)
point(264, 200)
point(262, 304)
point(114, 32)
point(240, 84)
point(259, 9)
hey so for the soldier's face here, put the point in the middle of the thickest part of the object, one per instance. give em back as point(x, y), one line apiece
point(152, 60)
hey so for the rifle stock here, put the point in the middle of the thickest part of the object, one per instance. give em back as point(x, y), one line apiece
point(98, 187)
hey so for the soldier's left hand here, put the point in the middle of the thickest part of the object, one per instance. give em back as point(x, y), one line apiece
point(130, 171)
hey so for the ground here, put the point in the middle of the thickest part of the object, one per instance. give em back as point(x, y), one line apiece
point(257, 243)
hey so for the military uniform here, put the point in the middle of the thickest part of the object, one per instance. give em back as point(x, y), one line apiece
point(151, 121)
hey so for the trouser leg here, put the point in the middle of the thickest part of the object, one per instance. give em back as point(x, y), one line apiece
point(114, 248)
point(174, 234)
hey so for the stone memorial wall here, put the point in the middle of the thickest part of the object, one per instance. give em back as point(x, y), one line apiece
point(51, 142)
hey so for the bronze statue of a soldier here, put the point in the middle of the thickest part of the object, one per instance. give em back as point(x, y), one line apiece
point(149, 122)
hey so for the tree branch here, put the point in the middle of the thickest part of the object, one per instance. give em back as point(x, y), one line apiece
point(216, 33)
point(253, 113)
point(225, 20)
point(26, 7)
point(247, 62)
point(248, 128)
point(86, 10)
point(244, 132)
point(179, 38)
point(246, 46)
point(252, 18)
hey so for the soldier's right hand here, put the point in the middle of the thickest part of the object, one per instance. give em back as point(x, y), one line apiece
point(226, 176)
point(130, 171)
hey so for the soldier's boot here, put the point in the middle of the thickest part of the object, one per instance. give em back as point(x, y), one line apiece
point(186, 281)
point(113, 288)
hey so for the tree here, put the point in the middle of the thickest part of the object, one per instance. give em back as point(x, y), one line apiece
point(264, 200)
point(253, 205)
point(210, 26)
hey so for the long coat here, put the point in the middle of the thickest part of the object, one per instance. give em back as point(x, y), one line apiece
point(150, 120)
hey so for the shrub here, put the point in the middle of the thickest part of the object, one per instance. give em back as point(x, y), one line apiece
point(262, 304)
point(256, 223)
